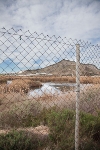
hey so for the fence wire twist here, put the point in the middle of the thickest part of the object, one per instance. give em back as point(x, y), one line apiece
point(44, 82)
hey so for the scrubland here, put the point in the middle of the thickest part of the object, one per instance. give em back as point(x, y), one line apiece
point(19, 114)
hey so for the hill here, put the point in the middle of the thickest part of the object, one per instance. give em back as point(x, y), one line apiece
point(66, 67)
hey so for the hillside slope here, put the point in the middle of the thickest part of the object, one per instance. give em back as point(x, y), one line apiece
point(66, 67)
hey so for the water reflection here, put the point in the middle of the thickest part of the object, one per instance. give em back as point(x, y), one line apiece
point(46, 88)
point(52, 88)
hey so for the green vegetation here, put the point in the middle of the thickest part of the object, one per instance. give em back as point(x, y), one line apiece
point(22, 113)
point(20, 141)
point(62, 131)
point(61, 124)
point(29, 114)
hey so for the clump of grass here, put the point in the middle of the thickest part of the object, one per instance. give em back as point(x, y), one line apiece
point(61, 125)
point(89, 131)
point(24, 116)
point(3, 80)
point(19, 140)
point(20, 85)
point(90, 99)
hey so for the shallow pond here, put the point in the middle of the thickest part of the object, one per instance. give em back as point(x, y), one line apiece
point(53, 88)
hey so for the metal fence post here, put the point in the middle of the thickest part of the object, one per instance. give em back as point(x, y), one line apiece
point(77, 96)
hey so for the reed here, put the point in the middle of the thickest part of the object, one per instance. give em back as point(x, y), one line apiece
point(20, 85)
point(67, 79)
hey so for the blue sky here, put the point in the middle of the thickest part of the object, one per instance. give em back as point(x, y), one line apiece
point(76, 19)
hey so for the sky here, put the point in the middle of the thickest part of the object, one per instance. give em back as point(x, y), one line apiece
point(75, 19)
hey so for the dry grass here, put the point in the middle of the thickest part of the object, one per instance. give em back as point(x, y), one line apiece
point(41, 132)
point(90, 80)
point(90, 99)
point(20, 85)
point(16, 106)
point(10, 101)
point(68, 79)
point(14, 112)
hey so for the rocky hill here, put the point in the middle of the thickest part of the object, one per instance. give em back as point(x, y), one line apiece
point(66, 67)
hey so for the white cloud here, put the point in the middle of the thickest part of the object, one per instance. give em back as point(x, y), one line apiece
point(73, 19)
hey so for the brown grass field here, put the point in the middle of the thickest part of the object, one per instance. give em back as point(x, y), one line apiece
point(89, 99)
point(68, 79)
point(15, 102)
point(20, 85)
point(18, 113)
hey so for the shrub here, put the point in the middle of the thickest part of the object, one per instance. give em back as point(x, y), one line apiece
point(27, 115)
point(90, 99)
point(62, 130)
point(18, 140)
point(62, 126)
point(89, 132)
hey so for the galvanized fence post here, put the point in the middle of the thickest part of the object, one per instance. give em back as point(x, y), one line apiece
point(77, 96)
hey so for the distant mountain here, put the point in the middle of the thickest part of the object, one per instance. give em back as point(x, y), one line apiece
point(66, 67)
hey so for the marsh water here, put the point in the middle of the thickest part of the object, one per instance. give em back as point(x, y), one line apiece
point(53, 88)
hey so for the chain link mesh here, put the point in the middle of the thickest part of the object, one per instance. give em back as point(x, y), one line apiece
point(38, 92)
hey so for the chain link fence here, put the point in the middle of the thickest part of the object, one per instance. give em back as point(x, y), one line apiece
point(49, 92)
